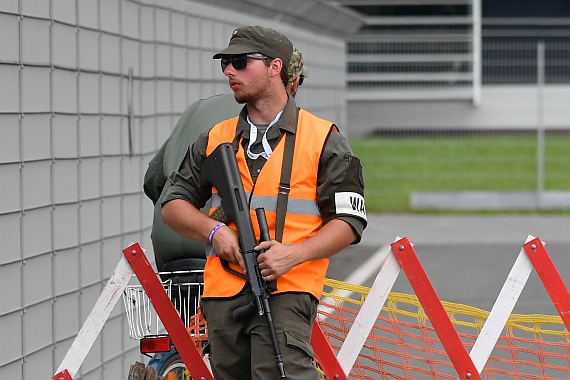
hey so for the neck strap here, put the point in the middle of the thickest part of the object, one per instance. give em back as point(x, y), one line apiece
point(253, 138)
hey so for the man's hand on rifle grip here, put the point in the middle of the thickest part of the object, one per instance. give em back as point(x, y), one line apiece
point(226, 245)
point(276, 260)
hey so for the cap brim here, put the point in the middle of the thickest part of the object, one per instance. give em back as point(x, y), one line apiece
point(232, 50)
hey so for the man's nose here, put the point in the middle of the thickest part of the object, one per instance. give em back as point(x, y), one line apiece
point(229, 71)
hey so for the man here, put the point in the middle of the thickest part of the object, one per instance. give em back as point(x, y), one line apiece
point(201, 115)
point(297, 72)
point(321, 219)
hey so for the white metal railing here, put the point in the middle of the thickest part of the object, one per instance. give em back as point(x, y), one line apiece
point(407, 53)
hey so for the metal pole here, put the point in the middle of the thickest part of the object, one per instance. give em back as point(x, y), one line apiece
point(130, 121)
point(477, 53)
point(540, 111)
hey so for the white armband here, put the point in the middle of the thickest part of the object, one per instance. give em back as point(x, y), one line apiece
point(350, 203)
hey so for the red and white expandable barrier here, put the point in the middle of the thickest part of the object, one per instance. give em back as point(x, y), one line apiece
point(468, 366)
point(400, 256)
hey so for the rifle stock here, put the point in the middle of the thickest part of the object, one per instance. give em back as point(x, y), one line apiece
point(220, 169)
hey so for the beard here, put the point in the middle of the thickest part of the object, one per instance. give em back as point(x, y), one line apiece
point(254, 91)
point(242, 98)
point(251, 96)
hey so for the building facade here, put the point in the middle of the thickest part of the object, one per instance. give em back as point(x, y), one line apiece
point(460, 65)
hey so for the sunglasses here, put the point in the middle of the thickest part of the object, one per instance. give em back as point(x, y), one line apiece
point(239, 62)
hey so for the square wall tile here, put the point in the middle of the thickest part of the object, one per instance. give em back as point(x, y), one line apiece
point(36, 232)
point(10, 141)
point(64, 131)
point(65, 226)
point(65, 181)
point(37, 287)
point(36, 137)
point(36, 184)
point(10, 188)
point(66, 271)
point(11, 332)
point(35, 41)
point(10, 296)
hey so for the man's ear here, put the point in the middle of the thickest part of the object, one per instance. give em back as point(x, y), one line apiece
point(276, 65)
point(293, 87)
point(295, 84)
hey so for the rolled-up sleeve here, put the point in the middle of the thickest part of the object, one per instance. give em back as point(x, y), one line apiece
point(340, 185)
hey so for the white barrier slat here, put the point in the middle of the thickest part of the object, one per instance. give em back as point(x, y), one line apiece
point(369, 312)
point(97, 318)
point(501, 310)
point(366, 270)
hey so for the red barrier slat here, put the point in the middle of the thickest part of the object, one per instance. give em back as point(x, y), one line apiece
point(63, 375)
point(167, 313)
point(434, 309)
point(325, 355)
point(550, 278)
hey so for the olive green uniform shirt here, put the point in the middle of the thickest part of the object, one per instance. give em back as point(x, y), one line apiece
point(339, 170)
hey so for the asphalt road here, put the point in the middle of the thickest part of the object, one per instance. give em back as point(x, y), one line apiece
point(467, 258)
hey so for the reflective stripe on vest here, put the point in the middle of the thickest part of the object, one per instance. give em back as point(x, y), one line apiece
point(269, 203)
point(303, 217)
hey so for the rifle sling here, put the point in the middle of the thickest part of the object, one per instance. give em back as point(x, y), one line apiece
point(284, 186)
point(284, 183)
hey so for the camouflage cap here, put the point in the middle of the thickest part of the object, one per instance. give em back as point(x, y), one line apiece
point(258, 39)
point(297, 66)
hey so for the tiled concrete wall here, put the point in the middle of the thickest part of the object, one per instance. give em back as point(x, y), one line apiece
point(71, 165)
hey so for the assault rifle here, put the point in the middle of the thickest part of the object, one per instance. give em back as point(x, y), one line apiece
point(220, 169)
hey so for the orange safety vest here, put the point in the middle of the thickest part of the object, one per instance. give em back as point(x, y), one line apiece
point(303, 218)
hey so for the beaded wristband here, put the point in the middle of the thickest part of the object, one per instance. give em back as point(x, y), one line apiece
point(216, 227)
